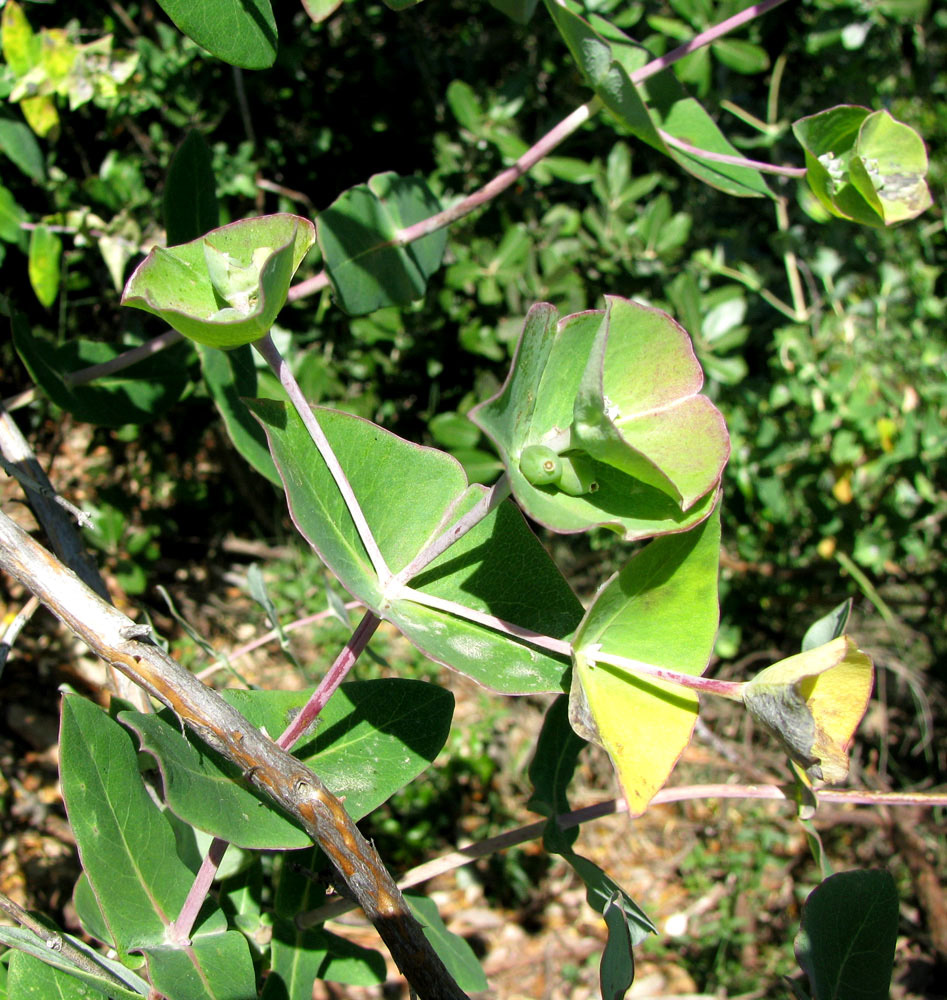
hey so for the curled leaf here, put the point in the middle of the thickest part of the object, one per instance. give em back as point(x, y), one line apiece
point(226, 288)
point(813, 702)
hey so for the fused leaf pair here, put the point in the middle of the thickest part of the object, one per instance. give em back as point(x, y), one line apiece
point(600, 422)
point(865, 166)
point(226, 288)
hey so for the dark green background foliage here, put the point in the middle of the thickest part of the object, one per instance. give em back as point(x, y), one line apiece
point(837, 421)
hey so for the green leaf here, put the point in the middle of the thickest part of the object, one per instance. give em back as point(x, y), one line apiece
point(11, 217)
point(602, 891)
point(298, 958)
point(129, 856)
point(607, 57)
point(617, 968)
point(642, 722)
point(741, 56)
point(654, 426)
point(453, 950)
point(487, 570)
point(20, 145)
point(21, 46)
point(226, 288)
point(465, 105)
point(358, 236)
point(45, 251)
point(240, 32)
point(373, 737)
point(890, 168)
point(231, 377)
point(828, 628)
point(134, 395)
point(190, 196)
point(30, 977)
point(560, 367)
point(319, 10)
point(519, 11)
point(848, 934)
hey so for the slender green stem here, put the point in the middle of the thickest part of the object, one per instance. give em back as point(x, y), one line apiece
point(704, 38)
point(791, 264)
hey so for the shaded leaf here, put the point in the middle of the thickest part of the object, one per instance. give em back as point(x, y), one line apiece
point(453, 950)
point(358, 236)
point(373, 737)
point(190, 198)
point(231, 377)
point(134, 395)
point(20, 145)
point(848, 934)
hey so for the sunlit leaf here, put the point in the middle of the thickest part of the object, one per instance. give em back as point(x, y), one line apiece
point(661, 609)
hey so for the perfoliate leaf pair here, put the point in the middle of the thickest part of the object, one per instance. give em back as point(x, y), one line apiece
point(600, 422)
point(226, 288)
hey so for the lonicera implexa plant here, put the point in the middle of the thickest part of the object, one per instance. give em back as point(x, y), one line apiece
point(602, 424)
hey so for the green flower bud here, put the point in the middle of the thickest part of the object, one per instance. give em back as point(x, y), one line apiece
point(540, 465)
point(577, 476)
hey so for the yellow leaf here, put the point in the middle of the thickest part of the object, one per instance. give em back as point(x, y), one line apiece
point(644, 724)
point(813, 703)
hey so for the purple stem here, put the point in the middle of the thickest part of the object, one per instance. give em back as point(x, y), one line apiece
point(333, 678)
point(704, 38)
point(738, 161)
point(503, 180)
point(491, 499)
point(180, 930)
point(707, 685)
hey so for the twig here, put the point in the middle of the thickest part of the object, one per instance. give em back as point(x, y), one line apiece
point(55, 942)
point(276, 773)
point(13, 627)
